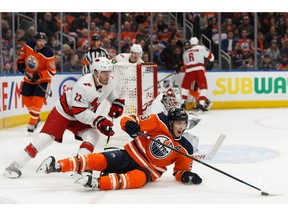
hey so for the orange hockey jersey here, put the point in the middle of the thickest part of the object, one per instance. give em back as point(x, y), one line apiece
point(152, 155)
point(42, 62)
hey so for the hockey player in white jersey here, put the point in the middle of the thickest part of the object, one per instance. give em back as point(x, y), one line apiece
point(133, 57)
point(194, 60)
point(171, 98)
point(76, 110)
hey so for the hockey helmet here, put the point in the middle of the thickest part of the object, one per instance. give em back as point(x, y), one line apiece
point(96, 37)
point(177, 114)
point(136, 48)
point(101, 64)
point(194, 41)
point(171, 98)
point(40, 35)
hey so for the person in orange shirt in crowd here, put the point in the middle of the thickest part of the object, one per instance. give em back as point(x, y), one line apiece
point(142, 160)
point(37, 63)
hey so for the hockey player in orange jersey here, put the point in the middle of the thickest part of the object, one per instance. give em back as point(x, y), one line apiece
point(141, 161)
point(37, 63)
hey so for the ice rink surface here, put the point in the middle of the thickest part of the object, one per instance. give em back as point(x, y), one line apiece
point(255, 150)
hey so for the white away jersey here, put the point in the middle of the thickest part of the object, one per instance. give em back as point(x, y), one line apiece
point(194, 58)
point(82, 101)
point(156, 106)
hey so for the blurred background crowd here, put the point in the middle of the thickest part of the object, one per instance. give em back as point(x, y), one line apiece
point(239, 41)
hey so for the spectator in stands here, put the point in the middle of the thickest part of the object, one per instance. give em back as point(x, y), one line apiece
point(167, 55)
point(107, 45)
point(186, 45)
point(161, 24)
point(78, 24)
point(228, 44)
point(248, 27)
point(248, 64)
point(283, 63)
point(145, 57)
point(67, 52)
point(284, 50)
point(228, 25)
point(237, 57)
point(274, 52)
point(82, 42)
point(30, 34)
point(260, 42)
point(48, 25)
point(58, 62)
point(54, 43)
point(73, 65)
point(244, 42)
point(266, 63)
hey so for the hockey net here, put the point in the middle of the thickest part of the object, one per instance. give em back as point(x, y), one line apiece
point(137, 84)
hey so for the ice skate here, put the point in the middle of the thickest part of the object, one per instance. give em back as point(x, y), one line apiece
point(13, 171)
point(88, 181)
point(208, 104)
point(49, 165)
point(201, 107)
point(30, 128)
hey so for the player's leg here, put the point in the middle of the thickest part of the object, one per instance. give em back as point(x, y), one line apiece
point(202, 85)
point(188, 79)
point(53, 129)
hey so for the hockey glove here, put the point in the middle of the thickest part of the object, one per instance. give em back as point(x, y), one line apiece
point(132, 128)
point(117, 108)
point(190, 178)
point(34, 78)
point(21, 65)
point(104, 125)
point(209, 65)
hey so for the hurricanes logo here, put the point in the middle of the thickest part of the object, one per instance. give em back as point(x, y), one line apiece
point(32, 62)
point(158, 150)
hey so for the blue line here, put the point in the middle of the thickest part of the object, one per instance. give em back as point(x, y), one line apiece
point(10, 99)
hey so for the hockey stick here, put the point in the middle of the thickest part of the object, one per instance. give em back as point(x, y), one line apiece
point(213, 150)
point(44, 90)
point(108, 139)
point(173, 73)
point(205, 164)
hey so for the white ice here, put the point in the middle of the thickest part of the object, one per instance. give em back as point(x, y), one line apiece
point(255, 151)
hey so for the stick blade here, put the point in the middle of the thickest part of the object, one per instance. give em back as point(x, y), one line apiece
point(264, 193)
point(216, 146)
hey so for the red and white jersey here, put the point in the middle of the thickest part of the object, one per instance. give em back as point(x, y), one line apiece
point(194, 58)
point(155, 106)
point(124, 57)
point(82, 101)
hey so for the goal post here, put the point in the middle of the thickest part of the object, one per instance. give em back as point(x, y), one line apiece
point(136, 83)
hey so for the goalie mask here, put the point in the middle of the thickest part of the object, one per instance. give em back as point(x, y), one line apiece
point(171, 98)
point(99, 65)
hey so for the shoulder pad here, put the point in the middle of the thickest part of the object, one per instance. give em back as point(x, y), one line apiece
point(47, 52)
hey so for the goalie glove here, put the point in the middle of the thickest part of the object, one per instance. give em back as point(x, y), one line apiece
point(117, 108)
point(190, 178)
point(104, 125)
point(132, 128)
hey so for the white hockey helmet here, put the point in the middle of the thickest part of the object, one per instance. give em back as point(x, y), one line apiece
point(136, 48)
point(101, 64)
point(171, 98)
point(194, 41)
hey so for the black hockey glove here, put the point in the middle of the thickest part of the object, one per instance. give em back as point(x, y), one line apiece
point(190, 178)
point(21, 66)
point(104, 125)
point(209, 65)
point(132, 128)
point(117, 108)
point(35, 77)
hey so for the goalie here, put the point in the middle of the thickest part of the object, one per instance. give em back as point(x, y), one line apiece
point(167, 100)
point(76, 110)
point(141, 161)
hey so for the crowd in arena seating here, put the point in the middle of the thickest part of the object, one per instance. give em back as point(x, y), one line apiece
point(162, 42)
